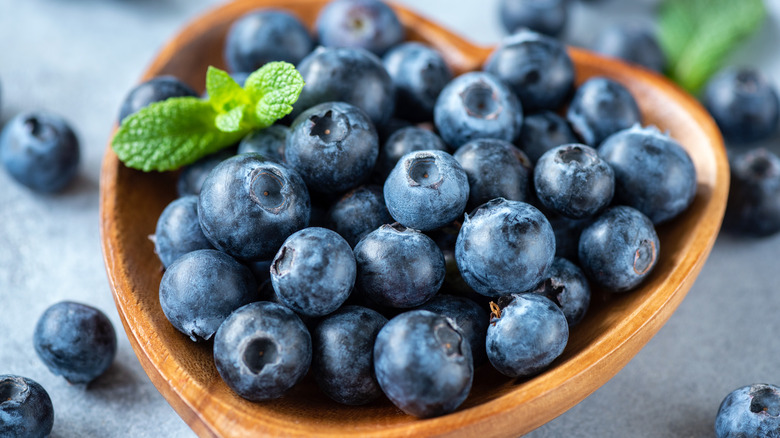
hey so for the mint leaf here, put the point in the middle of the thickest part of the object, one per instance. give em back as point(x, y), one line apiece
point(178, 131)
point(169, 134)
point(274, 88)
point(224, 92)
point(697, 35)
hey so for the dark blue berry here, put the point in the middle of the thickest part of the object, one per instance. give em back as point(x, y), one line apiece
point(269, 142)
point(344, 354)
point(263, 36)
point(619, 249)
point(354, 76)
point(314, 271)
point(201, 288)
point(426, 190)
point(504, 247)
point(744, 105)
point(653, 173)
point(75, 341)
point(398, 267)
point(471, 319)
point(567, 286)
point(632, 43)
point(536, 67)
point(358, 213)
point(262, 271)
point(25, 408)
point(333, 146)
point(154, 90)
point(496, 169)
point(403, 141)
point(248, 206)
point(40, 151)
point(363, 24)
point(567, 234)
point(544, 16)
point(526, 333)
point(262, 350)
point(542, 132)
point(572, 180)
point(477, 105)
point(423, 363)
point(178, 230)
point(754, 197)
point(191, 177)
point(600, 108)
point(419, 74)
point(750, 411)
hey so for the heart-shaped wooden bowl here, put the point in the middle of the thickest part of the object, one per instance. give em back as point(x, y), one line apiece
point(614, 330)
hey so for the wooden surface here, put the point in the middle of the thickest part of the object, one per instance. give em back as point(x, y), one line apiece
point(614, 330)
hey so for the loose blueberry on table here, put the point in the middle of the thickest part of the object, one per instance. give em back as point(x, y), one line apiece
point(75, 341)
point(25, 408)
point(750, 411)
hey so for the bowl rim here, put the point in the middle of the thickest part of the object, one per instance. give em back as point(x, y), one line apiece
point(588, 370)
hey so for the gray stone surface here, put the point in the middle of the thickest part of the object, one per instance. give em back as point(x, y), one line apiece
point(79, 57)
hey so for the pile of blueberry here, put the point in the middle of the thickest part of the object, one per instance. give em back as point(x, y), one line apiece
point(403, 226)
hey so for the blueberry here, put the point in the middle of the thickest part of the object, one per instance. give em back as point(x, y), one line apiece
point(426, 190)
point(154, 90)
point(542, 132)
point(403, 141)
point(600, 108)
point(364, 24)
point(544, 16)
point(385, 130)
point(750, 411)
point(314, 271)
point(566, 285)
point(653, 173)
point(248, 206)
point(477, 105)
point(358, 213)
point(574, 181)
point(419, 74)
point(619, 249)
point(201, 288)
point(398, 267)
point(333, 146)
point(632, 43)
point(178, 230)
point(423, 363)
point(269, 142)
point(536, 67)
point(75, 341)
point(354, 76)
point(40, 151)
point(504, 247)
point(263, 36)
point(262, 350)
point(754, 197)
point(25, 408)
point(192, 176)
point(445, 238)
point(526, 333)
point(344, 354)
point(471, 319)
point(496, 169)
point(744, 104)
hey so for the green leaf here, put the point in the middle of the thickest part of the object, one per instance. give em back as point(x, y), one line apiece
point(169, 134)
point(231, 121)
point(273, 88)
point(698, 35)
point(224, 92)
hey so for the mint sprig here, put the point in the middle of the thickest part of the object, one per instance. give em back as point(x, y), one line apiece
point(178, 131)
point(697, 35)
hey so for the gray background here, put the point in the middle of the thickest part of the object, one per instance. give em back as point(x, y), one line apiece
point(78, 58)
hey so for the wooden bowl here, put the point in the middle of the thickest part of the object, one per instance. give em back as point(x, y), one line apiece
point(614, 330)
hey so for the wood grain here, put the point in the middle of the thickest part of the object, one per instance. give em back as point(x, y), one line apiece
point(614, 330)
